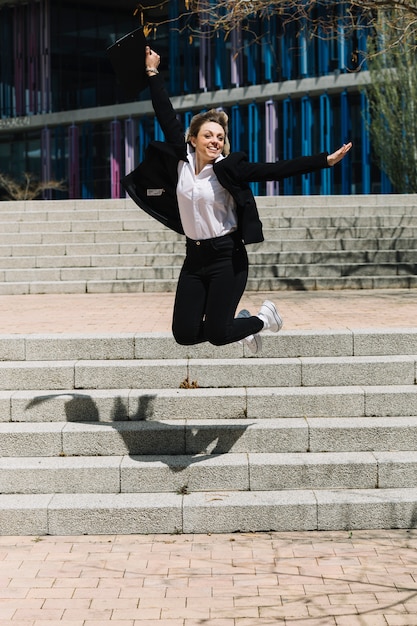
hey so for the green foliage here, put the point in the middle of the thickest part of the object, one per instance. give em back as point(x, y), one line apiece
point(392, 97)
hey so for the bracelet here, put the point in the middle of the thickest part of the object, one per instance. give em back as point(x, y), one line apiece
point(152, 70)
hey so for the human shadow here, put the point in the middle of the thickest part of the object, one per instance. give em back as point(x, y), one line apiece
point(144, 435)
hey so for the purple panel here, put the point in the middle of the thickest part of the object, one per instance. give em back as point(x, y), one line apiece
point(129, 146)
point(33, 56)
point(236, 59)
point(19, 32)
point(45, 60)
point(73, 162)
point(46, 160)
point(115, 158)
point(271, 131)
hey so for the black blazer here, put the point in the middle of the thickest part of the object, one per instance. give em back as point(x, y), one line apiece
point(152, 185)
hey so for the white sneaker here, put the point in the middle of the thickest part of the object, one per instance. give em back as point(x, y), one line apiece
point(253, 342)
point(271, 318)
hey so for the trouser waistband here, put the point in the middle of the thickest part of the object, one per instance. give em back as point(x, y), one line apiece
point(207, 242)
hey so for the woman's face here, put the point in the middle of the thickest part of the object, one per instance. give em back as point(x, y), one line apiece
point(208, 143)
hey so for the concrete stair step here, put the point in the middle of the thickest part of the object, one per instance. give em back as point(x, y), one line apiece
point(208, 473)
point(285, 344)
point(166, 285)
point(284, 373)
point(89, 273)
point(65, 244)
point(216, 512)
point(339, 261)
point(199, 436)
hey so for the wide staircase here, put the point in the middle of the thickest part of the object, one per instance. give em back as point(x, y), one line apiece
point(107, 246)
point(135, 434)
point(132, 433)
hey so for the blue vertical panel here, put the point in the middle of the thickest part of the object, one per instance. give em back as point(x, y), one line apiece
point(323, 47)
point(220, 59)
point(365, 145)
point(174, 48)
point(288, 146)
point(386, 185)
point(341, 39)
point(87, 155)
point(268, 55)
point(306, 140)
point(303, 49)
point(236, 126)
point(251, 53)
point(325, 141)
point(188, 115)
point(253, 148)
point(144, 137)
point(345, 164)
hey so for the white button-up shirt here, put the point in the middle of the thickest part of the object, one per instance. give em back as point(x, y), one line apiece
point(206, 208)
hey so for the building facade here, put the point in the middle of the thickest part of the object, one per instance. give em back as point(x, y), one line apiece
point(63, 115)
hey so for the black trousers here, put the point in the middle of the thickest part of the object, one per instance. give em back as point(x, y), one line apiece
point(210, 286)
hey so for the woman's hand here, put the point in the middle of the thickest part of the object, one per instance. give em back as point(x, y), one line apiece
point(152, 60)
point(337, 156)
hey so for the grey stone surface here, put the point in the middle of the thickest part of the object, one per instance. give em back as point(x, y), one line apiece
point(397, 469)
point(169, 373)
point(60, 475)
point(20, 440)
point(306, 343)
point(249, 511)
point(341, 470)
point(12, 348)
point(17, 375)
point(24, 514)
point(5, 405)
point(141, 513)
point(159, 345)
point(77, 406)
point(363, 509)
point(385, 341)
point(377, 370)
point(269, 435)
point(121, 438)
point(359, 434)
point(163, 404)
point(400, 400)
point(305, 402)
point(185, 474)
point(246, 372)
point(44, 347)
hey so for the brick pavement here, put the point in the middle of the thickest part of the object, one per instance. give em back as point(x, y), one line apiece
point(151, 312)
point(363, 578)
point(258, 579)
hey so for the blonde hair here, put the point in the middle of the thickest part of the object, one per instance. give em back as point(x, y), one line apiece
point(220, 117)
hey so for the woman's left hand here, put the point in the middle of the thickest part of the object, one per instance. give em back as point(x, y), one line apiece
point(337, 156)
